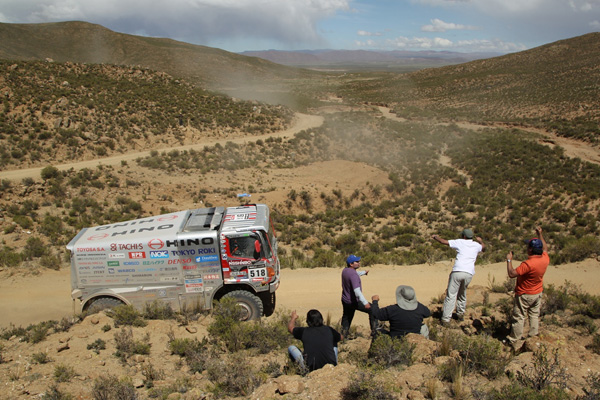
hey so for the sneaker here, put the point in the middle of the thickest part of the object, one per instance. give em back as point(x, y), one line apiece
point(445, 324)
point(460, 317)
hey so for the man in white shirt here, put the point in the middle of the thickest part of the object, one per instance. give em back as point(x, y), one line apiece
point(463, 270)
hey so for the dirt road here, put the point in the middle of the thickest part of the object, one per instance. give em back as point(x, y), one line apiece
point(26, 300)
point(301, 122)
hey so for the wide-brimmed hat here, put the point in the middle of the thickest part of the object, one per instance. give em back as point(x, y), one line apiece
point(406, 298)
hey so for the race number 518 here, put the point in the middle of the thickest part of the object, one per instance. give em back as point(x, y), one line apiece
point(257, 273)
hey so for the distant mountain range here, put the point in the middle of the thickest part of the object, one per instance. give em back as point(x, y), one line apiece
point(366, 58)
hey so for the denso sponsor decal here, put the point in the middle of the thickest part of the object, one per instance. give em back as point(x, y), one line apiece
point(159, 254)
point(180, 261)
point(207, 259)
point(113, 263)
point(116, 255)
point(137, 254)
point(89, 249)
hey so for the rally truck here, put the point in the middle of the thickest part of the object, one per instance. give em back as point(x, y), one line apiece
point(188, 259)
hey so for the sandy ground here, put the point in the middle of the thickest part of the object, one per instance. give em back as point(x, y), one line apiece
point(30, 299)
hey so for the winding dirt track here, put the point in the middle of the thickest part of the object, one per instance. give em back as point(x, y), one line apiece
point(301, 122)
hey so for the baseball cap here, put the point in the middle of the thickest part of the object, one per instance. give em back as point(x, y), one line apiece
point(352, 258)
point(468, 233)
point(534, 243)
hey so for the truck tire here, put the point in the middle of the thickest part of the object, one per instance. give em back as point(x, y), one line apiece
point(102, 303)
point(252, 307)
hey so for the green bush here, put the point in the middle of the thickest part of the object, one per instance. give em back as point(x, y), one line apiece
point(595, 345)
point(126, 345)
point(386, 352)
point(234, 377)
point(364, 386)
point(158, 310)
point(482, 354)
point(40, 358)
point(593, 392)
point(126, 314)
point(546, 371)
point(516, 391)
point(54, 393)
point(111, 387)
point(63, 373)
point(97, 345)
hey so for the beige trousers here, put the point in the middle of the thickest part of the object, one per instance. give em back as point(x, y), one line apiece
point(525, 305)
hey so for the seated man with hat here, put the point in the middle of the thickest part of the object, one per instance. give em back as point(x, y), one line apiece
point(406, 316)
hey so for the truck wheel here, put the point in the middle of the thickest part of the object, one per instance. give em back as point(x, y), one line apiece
point(252, 307)
point(102, 303)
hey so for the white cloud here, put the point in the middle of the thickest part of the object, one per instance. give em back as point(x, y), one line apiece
point(422, 43)
point(595, 25)
point(365, 33)
point(196, 21)
point(437, 25)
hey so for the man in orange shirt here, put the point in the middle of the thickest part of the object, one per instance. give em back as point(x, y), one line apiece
point(529, 287)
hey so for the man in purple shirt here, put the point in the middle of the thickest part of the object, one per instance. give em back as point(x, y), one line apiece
point(352, 296)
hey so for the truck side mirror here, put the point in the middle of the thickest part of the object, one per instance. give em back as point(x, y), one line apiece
point(257, 249)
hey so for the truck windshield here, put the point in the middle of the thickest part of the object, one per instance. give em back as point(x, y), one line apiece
point(243, 247)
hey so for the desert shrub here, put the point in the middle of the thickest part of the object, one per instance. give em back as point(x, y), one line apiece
point(234, 377)
point(1, 356)
point(595, 345)
point(227, 329)
point(34, 248)
point(482, 354)
point(40, 358)
point(364, 386)
point(181, 385)
point(545, 371)
point(9, 257)
point(151, 374)
point(593, 391)
point(38, 332)
point(126, 314)
point(11, 331)
point(555, 299)
point(50, 261)
point(272, 369)
point(49, 172)
point(386, 351)
point(54, 393)
point(112, 388)
point(127, 346)
point(518, 391)
point(194, 351)
point(97, 345)
point(579, 249)
point(63, 373)
point(583, 322)
point(158, 310)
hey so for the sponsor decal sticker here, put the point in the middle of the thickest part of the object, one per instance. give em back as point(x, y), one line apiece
point(116, 255)
point(201, 259)
point(211, 277)
point(156, 244)
point(137, 254)
point(113, 264)
point(159, 254)
point(99, 236)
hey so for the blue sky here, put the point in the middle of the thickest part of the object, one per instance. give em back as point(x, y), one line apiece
point(238, 25)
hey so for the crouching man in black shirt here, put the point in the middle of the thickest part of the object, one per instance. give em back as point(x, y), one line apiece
point(319, 341)
point(406, 316)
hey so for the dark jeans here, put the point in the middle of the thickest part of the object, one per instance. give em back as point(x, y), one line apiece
point(348, 316)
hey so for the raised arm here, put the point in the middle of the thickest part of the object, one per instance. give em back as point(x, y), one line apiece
point(439, 239)
point(538, 232)
point(480, 241)
point(292, 323)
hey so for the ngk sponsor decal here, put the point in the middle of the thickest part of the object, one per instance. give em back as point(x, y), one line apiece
point(159, 254)
point(116, 255)
point(137, 254)
point(202, 259)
